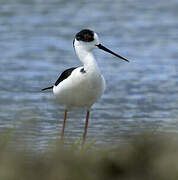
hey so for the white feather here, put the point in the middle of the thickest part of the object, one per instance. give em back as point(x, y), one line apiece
point(82, 89)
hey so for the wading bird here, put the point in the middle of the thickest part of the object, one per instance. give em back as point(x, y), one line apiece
point(81, 86)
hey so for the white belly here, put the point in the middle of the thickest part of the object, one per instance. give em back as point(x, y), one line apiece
point(80, 89)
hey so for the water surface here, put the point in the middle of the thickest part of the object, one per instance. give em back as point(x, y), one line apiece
point(36, 46)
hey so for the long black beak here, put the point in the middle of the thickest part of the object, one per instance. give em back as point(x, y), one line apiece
point(109, 51)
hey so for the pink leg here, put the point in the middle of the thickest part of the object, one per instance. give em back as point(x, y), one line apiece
point(63, 126)
point(86, 127)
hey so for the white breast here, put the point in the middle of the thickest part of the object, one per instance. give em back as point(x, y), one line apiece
point(80, 89)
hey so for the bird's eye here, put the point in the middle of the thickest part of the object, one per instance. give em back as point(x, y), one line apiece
point(88, 38)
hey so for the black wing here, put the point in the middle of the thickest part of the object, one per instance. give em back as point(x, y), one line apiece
point(64, 75)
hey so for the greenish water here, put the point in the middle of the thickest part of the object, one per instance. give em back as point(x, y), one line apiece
point(36, 46)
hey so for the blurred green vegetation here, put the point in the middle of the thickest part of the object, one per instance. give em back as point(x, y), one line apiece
point(147, 156)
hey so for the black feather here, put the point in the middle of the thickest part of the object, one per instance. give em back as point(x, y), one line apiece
point(85, 35)
point(47, 88)
point(64, 75)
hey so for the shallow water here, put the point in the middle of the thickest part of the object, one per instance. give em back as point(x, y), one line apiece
point(36, 46)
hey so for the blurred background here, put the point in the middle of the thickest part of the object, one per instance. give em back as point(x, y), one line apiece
point(36, 46)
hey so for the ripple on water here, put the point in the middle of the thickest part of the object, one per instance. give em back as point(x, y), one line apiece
point(36, 45)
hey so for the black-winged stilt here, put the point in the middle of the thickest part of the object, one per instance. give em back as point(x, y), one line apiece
point(81, 86)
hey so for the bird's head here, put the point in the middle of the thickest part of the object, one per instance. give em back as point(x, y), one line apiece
point(88, 40)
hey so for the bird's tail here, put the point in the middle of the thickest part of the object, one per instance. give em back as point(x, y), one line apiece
point(47, 88)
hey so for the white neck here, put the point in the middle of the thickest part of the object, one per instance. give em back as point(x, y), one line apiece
point(87, 58)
